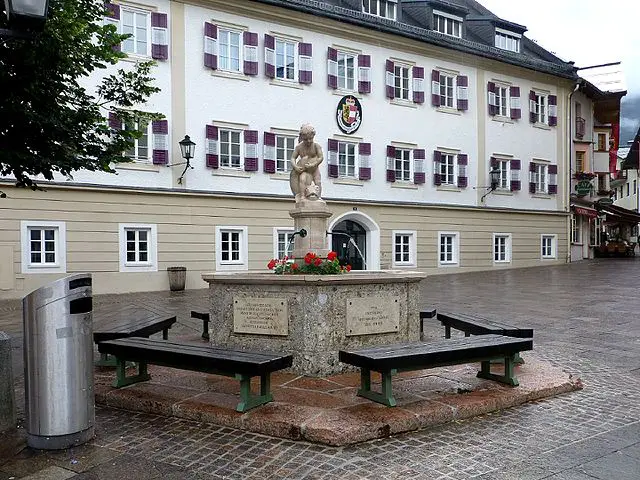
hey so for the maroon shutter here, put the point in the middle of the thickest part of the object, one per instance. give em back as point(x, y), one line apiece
point(211, 148)
point(463, 161)
point(332, 68)
point(251, 150)
point(269, 56)
point(364, 152)
point(553, 172)
point(418, 84)
point(491, 98)
point(553, 110)
point(390, 79)
point(113, 17)
point(159, 41)
point(532, 184)
point(160, 130)
point(532, 107)
point(332, 163)
point(250, 41)
point(114, 121)
point(462, 84)
point(305, 67)
point(437, 159)
point(435, 89)
point(364, 73)
point(391, 160)
point(515, 175)
point(419, 156)
point(514, 99)
point(269, 156)
point(210, 45)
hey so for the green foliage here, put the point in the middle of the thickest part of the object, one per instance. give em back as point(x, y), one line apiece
point(311, 264)
point(50, 122)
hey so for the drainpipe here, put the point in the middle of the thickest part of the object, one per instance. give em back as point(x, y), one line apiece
point(568, 177)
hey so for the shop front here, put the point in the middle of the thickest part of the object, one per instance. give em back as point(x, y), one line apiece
point(585, 232)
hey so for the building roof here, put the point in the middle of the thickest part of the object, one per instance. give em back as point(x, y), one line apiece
point(632, 160)
point(414, 23)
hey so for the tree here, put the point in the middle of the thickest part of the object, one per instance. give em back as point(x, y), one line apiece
point(49, 121)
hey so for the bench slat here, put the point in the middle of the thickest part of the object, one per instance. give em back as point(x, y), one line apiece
point(479, 325)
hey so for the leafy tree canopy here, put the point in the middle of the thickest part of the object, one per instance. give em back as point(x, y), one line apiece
point(49, 122)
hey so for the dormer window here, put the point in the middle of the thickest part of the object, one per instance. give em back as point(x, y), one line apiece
point(507, 40)
point(380, 8)
point(447, 23)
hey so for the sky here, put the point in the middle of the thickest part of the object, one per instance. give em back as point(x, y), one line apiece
point(588, 32)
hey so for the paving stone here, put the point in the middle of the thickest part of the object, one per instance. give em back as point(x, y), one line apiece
point(51, 473)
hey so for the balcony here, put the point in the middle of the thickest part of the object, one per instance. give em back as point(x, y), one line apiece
point(580, 126)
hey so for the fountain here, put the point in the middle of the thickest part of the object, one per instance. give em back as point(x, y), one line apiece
point(313, 316)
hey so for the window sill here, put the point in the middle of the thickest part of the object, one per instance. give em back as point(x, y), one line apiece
point(448, 188)
point(138, 268)
point(231, 267)
point(37, 269)
point(410, 186)
point(547, 258)
point(448, 265)
point(349, 181)
point(141, 166)
point(500, 119)
point(449, 110)
point(286, 83)
point(135, 58)
point(230, 74)
point(341, 92)
point(541, 195)
point(507, 193)
point(541, 126)
point(279, 176)
point(403, 265)
point(403, 103)
point(231, 173)
point(502, 262)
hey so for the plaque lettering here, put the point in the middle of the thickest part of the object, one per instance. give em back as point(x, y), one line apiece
point(369, 315)
point(260, 316)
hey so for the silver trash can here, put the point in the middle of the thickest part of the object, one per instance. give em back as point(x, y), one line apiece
point(58, 363)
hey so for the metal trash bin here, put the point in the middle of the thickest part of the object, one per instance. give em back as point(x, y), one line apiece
point(58, 363)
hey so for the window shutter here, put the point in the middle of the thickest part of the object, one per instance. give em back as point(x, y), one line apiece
point(493, 163)
point(435, 88)
point(463, 160)
point(114, 121)
point(462, 82)
point(514, 103)
point(418, 166)
point(532, 177)
point(553, 110)
point(250, 150)
point(332, 68)
point(305, 63)
point(515, 175)
point(269, 56)
point(210, 46)
point(269, 153)
point(437, 158)
point(418, 84)
point(332, 161)
point(211, 147)
point(391, 163)
point(553, 182)
point(390, 79)
point(159, 36)
point(250, 41)
point(532, 106)
point(364, 73)
point(492, 102)
point(160, 130)
point(113, 18)
point(364, 154)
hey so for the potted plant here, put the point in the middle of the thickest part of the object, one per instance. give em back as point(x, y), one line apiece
point(177, 278)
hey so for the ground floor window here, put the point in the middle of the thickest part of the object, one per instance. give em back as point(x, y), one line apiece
point(43, 246)
point(231, 248)
point(448, 248)
point(283, 242)
point(549, 246)
point(138, 247)
point(502, 247)
point(576, 229)
point(404, 248)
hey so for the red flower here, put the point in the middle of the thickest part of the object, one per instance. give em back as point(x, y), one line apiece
point(348, 268)
point(317, 262)
point(294, 266)
point(307, 259)
point(331, 256)
point(271, 264)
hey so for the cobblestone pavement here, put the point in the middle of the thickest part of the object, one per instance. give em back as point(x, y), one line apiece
point(584, 316)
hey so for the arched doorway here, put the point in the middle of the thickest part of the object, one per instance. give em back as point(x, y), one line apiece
point(366, 235)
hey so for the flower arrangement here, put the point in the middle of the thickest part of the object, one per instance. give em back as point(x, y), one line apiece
point(584, 175)
point(311, 265)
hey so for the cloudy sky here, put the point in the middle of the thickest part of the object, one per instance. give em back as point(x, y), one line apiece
point(589, 32)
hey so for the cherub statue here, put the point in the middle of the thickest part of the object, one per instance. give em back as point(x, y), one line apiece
point(305, 174)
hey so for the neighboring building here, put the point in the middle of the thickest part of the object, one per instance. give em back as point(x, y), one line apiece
point(443, 93)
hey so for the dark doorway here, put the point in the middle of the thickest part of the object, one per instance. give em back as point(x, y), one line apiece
point(347, 253)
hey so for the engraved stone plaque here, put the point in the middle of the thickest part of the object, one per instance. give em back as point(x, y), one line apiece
point(260, 316)
point(369, 315)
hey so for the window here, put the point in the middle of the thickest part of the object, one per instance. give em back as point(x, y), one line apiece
point(504, 167)
point(541, 108)
point(140, 150)
point(447, 98)
point(507, 40)
point(447, 24)
point(540, 178)
point(380, 8)
point(286, 59)
point(501, 247)
point(502, 100)
point(346, 71)
point(403, 165)
point(284, 150)
point(448, 169)
point(579, 162)
point(282, 242)
point(404, 248)
point(448, 250)
point(138, 247)
point(548, 246)
point(347, 159)
point(231, 248)
point(43, 247)
point(136, 23)
point(602, 142)
point(401, 78)
point(229, 43)
point(576, 229)
point(230, 156)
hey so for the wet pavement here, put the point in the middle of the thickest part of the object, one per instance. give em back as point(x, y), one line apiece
point(585, 321)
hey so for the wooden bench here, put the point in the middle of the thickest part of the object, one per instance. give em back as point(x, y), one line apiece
point(426, 313)
point(205, 322)
point(240, 364)
point(390, 359)
point(479, 325)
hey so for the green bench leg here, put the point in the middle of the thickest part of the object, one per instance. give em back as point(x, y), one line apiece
point(106, 360)
point(247, 399)
point(518, 360)
point(386, 397)
point(121, 375)
point(508, 378)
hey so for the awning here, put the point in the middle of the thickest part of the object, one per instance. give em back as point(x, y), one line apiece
point(585, 211)
point(617, 214)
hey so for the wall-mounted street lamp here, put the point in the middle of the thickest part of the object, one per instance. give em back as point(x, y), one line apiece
point(187, 148)
point(494, 178)
point(24, 17)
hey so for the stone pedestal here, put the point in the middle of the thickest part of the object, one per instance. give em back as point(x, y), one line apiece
point(312, 215)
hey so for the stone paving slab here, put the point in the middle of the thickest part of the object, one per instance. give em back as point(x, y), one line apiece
point(327, 410)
